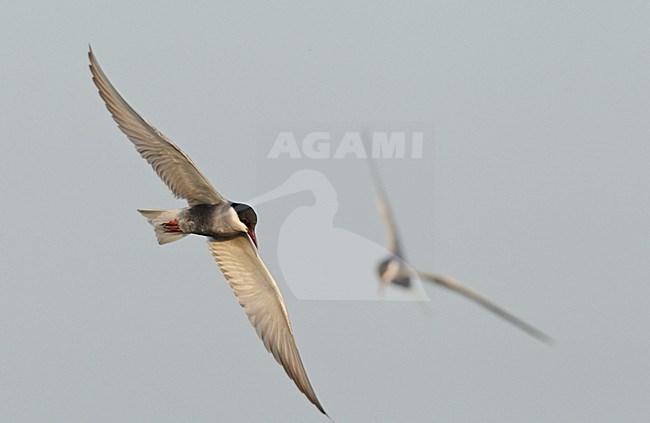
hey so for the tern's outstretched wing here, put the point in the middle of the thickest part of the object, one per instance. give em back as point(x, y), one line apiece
point(473, 295)
point(385, 211)
point(258, 294)
point(172, 165)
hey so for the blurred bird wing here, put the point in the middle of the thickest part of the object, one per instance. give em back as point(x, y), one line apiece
point(473, 295)
point(385, 211)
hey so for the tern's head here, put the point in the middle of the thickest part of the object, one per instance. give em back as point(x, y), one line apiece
point(392, 270)
point(248, 218)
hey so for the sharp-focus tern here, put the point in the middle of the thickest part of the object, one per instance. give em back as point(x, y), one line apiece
point(229, 226)
point(395, 270)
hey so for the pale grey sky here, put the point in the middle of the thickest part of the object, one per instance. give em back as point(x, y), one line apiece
point(534, 191)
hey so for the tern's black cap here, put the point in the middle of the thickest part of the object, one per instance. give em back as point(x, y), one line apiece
point(246, 214)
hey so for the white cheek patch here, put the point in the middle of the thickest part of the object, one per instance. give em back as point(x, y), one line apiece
point(233, 220)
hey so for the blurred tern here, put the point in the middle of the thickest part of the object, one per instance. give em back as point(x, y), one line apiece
point(306, 266)
point(229, 226)
point(396, 271)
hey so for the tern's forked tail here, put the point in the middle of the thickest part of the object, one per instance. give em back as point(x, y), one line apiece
point(165, 224)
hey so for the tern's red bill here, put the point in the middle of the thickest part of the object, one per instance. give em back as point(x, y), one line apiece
point(251, 233)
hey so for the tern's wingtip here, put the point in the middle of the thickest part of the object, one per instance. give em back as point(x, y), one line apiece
point(542, 337)
point(322, 410)
point(548, 340)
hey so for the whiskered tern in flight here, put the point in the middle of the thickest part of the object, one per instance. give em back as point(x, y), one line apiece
point(395, 270)
point(229, 227)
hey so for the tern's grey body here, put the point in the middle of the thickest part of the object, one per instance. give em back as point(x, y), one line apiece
point(394, 269)
point(229, 226)
point(212, 220)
